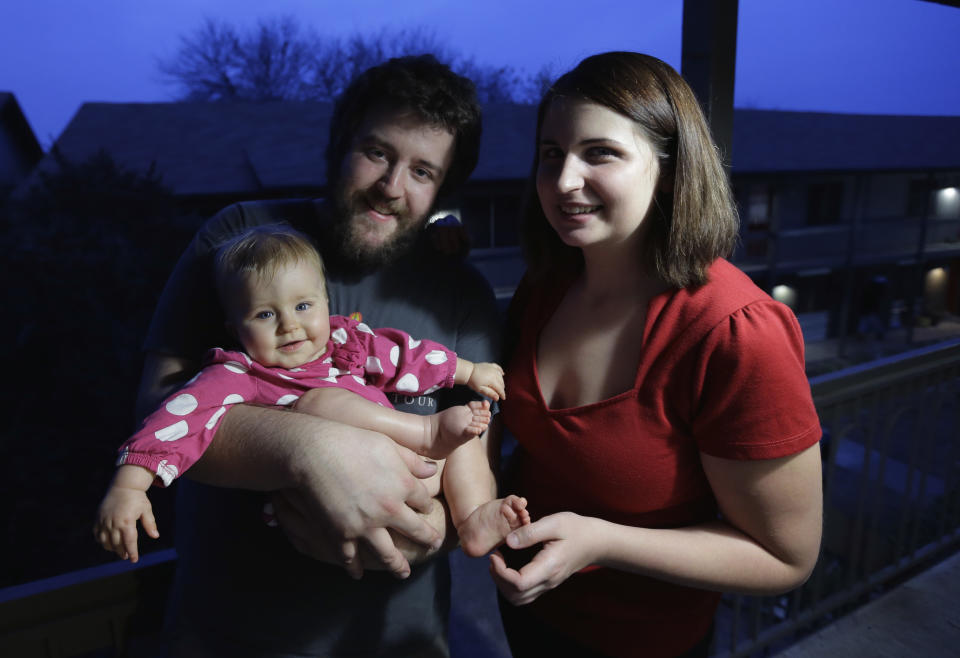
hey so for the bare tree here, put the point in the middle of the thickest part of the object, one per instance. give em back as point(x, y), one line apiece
point(279, 60)
point(337, 61)
point(217, 63)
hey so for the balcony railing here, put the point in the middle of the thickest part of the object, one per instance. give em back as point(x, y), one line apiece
point(891, 494)
point(891, 452)
point(830, 246)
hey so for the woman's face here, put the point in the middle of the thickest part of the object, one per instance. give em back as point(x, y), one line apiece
point(597, 174)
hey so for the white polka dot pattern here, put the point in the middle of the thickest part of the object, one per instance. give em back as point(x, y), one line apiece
point(287, 400)
point(408, 383)
point(167, 472)
point(182, 405)
point(436, 357)
point(173, 432)
point(215, 417)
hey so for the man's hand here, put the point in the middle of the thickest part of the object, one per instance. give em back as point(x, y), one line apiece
point(352, 485)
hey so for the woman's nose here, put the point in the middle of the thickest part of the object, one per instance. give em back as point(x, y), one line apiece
point(570, 177)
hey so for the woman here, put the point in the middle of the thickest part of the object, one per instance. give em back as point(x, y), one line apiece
point(668, 440)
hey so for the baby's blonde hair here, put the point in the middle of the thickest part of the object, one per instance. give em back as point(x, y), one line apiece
point(261, 251)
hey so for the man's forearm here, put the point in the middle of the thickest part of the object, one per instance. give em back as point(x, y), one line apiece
point(257, 448)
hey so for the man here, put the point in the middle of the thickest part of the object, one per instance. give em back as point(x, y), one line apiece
point(402, 133)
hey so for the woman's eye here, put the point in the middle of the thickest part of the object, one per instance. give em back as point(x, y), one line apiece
point(422, 173)
point(550, 153)
point(376, 154)
point(601, 152)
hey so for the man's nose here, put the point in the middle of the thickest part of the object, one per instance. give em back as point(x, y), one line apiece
point(391, 182)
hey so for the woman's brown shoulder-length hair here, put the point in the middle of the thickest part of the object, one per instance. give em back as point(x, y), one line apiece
point(693, 219)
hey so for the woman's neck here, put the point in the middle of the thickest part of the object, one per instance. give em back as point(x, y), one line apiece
point(617, 274)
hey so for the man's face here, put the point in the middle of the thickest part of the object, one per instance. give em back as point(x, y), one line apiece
point(389, 181)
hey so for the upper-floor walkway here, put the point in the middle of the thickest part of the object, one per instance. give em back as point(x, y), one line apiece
point(920, 617)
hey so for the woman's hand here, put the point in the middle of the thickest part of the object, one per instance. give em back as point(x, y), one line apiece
point(570, 543)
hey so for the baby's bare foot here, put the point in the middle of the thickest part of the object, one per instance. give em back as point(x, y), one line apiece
point(448, 430)
point(490, 523)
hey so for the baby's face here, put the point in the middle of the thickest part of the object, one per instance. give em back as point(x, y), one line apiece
point(283, 321)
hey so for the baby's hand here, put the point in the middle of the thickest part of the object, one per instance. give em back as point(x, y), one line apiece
point(116, 527)
point(487, 379)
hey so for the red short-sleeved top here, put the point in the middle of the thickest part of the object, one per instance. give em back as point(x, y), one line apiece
point(721, 371)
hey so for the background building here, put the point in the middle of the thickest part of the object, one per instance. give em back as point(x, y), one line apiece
point(852, 220)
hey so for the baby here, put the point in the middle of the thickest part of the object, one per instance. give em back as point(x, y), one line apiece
point(270, 280)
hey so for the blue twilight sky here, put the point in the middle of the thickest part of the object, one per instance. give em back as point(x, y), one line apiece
point(869, 56)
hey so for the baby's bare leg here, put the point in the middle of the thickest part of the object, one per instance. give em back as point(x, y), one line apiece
point(433, 436)
point(468, 485)
point(490, 523)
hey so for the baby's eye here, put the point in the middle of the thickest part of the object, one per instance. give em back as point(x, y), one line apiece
point(264, 315)
point(303, 306)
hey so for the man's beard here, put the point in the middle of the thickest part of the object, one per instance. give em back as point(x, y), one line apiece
point(351, 247)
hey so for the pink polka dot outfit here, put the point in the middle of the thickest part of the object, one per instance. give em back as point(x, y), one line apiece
point(359, 359)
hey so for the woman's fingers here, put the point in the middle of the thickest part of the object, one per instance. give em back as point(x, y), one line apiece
point(518, 587)
point(540, 531)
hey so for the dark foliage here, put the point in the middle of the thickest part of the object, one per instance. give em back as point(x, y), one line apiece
point(88, 250)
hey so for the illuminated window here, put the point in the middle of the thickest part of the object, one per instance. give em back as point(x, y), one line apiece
point(759, 206)
point(946, 203)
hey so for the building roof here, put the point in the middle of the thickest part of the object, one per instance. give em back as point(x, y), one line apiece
point(206, 148)
point(239, 148)
point(19, 149)
point(770, 141)
point(248, 148)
